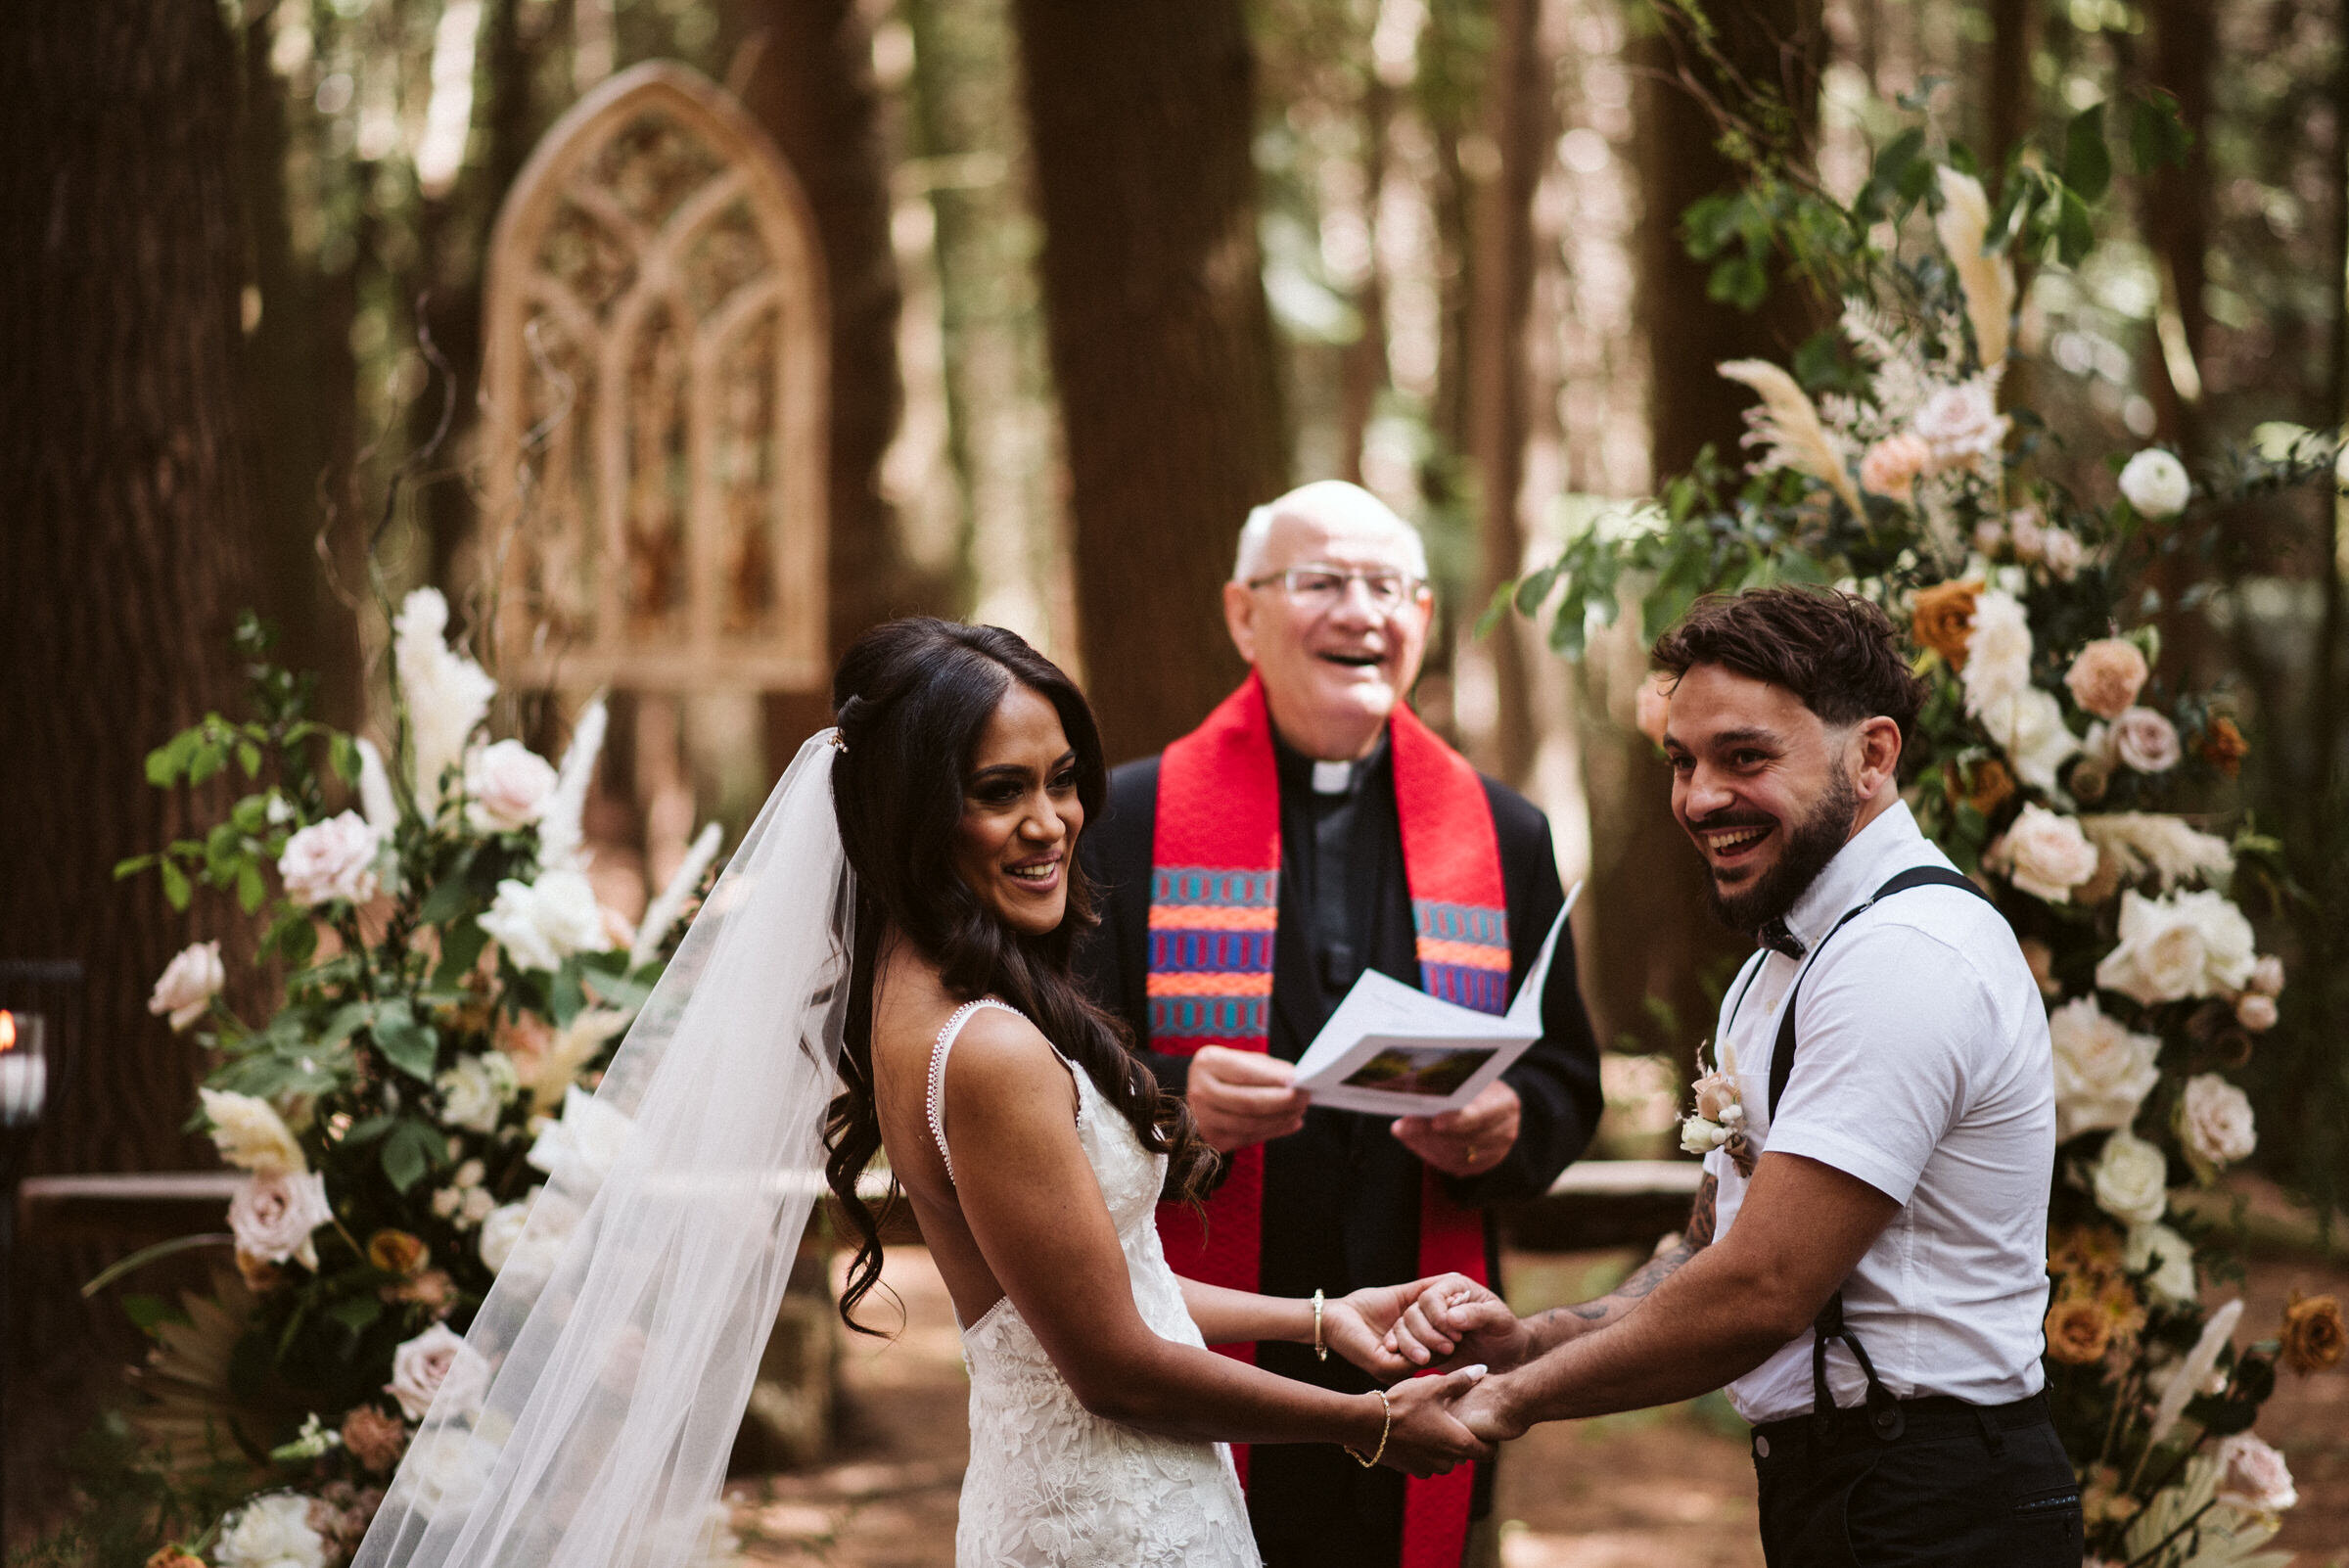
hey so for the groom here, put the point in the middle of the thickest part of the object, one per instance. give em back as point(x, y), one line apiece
point(1871, 1284)
point(1312, 828)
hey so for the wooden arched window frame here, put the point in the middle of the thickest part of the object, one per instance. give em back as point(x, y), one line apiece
point(654, 366)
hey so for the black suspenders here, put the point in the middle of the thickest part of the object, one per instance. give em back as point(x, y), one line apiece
point(1884, 1411)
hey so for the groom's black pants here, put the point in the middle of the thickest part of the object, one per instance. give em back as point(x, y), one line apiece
point(1959, 1486)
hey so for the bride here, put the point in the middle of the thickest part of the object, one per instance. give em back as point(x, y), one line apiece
point(897, 922)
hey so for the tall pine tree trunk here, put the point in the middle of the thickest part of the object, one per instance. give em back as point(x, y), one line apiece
point(1141, 116)
point(121, 564)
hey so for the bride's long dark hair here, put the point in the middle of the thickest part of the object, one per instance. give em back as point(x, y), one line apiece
point(911, 699)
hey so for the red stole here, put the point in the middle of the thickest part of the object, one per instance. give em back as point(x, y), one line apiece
point(1214, 902)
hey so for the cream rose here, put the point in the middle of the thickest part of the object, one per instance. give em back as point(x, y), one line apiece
point(1890, 467)
point(2155, 483)
point(250, 1133)
point(2214, 1119)
point(432, 1364)
point(542, 923)
point(2130, 1180)
point(502, 1231)
point(2061, 553)
point(2253, 1476)
point(271, 1531)
point(274, 1212)
point(2029, 536)
point(2106, 676)
point(189, 982)
point(1998, 656)
point(507, 786)
point(1961, 425)
point(473, 1090)
point(2164, 1256)
point(2045, 855)
point(2145, 741)
point(579, 1150)
point(2029, 727)
point(332, 860)
point(2186, 945)
point(2103, 1071)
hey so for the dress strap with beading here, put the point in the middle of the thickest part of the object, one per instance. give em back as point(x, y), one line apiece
point(946, 1036)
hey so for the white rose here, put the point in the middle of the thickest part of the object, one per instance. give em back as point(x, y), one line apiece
point(332, 860)
point(542, 923)
point(2137, 842)
point(2060, 552)
point(2155, 483)
point(507, 786)
point(2169, 1256)
point(447, 694)
point(2130, 1180)
point(2029, 727)
point(2186, 945)
point(1701, 1136)
point(2145, 741)
point(583, 1147)
point(473, 1093)
point(250, 1133)
point(1997, 657)
point(436, 1363)
point(502, 1230)
point(274, 1212)
point(271, 1531)
point(1961, 424)
point(445, 1468)
point(2103, 1071)
point(2214, 1118)
point(2253, 1476)
point(188, 985)
point(2047, 855)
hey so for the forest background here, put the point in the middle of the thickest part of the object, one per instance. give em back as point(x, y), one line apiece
point(1101, 277)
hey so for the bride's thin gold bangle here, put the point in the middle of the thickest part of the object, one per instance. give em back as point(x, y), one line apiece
point(1386, 1426)
point(1321, 1350)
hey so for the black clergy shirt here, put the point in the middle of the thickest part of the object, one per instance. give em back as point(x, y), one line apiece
point(1342, 1194)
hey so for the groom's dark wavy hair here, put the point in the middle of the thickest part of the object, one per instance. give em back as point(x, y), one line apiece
point(912, 697)
point(1836, 650)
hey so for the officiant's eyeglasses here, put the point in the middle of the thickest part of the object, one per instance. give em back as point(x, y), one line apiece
point(1324, 588)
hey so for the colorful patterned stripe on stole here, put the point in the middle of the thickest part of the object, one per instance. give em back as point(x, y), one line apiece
point(1463, 953)
point(1211, 953)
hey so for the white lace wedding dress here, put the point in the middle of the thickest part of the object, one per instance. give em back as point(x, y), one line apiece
point(1050, 1485)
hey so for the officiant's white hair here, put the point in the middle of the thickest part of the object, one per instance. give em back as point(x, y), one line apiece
point(1339, 504)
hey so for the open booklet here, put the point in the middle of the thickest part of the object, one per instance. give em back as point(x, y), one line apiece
point(1392, 1050)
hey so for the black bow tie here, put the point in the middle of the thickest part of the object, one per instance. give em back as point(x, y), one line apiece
point(1775, 935)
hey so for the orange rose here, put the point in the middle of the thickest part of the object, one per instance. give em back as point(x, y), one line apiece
point(395, 1252)
point(2224, 747)
point(174, 1557)
point(2088, 1251)
point(1988, 785)
point(2078, 1331)
point(2312, 1337)
point(374, 1439)
point(1943, 619)
point(2106, 676)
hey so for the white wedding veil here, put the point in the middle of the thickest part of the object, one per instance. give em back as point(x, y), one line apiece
point(587, 1420)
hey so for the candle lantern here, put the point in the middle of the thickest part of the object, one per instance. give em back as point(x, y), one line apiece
point(40, 1008)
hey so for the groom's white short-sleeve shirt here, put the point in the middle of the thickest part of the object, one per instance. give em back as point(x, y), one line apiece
point(1924, 1071)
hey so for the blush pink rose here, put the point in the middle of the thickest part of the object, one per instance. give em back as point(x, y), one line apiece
point(2106, 676)
point(2145, 741)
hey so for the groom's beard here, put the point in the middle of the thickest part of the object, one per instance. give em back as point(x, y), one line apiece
point(1809, 845)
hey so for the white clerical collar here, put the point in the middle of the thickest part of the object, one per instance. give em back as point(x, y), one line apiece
point(1886, 846)
point(1333, 778)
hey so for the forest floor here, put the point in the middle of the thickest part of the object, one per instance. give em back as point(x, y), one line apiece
point(1670, 1487)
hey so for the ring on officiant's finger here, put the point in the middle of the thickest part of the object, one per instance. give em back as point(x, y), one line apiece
point(1472, 1152)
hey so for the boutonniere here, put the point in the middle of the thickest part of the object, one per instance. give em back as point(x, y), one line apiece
point(1719, 1120)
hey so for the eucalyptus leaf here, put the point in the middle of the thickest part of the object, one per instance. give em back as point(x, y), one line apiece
point(410, 1149)
point(406, 1042)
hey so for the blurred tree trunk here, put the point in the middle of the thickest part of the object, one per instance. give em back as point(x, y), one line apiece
point(300, 384)
point(1142, 116)
point(811, 88)
point(121, 561)
point(1658, 942)
point(1519, 90)
point(2010, 114)
point(1362, 368)
point(2176, 217)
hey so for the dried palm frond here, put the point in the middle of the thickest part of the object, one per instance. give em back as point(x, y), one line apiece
point(191, 1421)
point(1988, 281)
point(1789, 427)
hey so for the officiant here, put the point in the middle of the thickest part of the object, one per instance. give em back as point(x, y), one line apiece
point(1312, 828)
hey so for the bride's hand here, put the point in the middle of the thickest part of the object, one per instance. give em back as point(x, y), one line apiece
point(1424, 1436)
point(1452, 1320)
point(1359, 1328)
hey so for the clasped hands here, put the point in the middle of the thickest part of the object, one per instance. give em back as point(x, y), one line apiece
point(1242, 1097)
point(1448, 1324)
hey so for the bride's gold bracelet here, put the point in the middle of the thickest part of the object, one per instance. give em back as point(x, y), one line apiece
point(1386, 1426)
point(1321, 1350)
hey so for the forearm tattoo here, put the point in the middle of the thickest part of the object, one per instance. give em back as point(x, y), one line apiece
point(1647, 1277)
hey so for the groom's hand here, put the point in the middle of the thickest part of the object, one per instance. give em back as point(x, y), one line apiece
point(1242, 1097)
point(1423, 1435)
point(1454, 1322)
point(1485, 1409)
point(1361, 1327)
